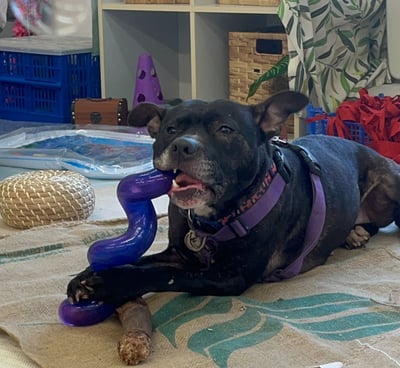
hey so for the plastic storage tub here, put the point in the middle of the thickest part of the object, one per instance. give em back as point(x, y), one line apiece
point(41, 75)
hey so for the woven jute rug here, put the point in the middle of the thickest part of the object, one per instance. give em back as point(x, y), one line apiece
point(345, 311)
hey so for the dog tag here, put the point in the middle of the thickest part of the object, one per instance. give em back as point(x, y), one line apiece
point(194, 242)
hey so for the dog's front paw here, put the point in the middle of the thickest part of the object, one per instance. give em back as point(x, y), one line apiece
point(84, 286)
point(112, 286)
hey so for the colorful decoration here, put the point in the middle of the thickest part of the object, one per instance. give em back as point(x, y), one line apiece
point(51, 17)
point(28, 14)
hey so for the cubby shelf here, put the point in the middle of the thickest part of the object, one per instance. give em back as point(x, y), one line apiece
point(188, 44)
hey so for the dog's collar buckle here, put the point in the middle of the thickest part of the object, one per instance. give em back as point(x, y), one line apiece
point(194, 242)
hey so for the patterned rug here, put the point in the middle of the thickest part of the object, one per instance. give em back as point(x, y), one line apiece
point(344, 311)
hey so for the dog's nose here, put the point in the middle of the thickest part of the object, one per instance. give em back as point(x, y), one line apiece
point(185, 147)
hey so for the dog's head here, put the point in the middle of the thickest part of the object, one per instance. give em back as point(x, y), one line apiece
point(216, 149)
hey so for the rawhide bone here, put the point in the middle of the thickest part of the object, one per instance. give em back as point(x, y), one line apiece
point(134, 345)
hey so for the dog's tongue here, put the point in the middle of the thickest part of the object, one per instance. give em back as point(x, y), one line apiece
point(188, 192)
point(185, 182)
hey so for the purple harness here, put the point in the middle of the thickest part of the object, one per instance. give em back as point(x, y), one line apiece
point(197, 240)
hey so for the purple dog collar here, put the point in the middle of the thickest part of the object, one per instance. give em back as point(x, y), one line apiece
point(241, 225)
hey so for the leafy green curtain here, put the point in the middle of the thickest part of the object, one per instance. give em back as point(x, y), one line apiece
point(336, 47)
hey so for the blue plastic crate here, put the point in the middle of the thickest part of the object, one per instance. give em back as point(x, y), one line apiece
point(36, 102)
point(317, 121)
point(41, 87)
point(358, 133)
point(23, 67)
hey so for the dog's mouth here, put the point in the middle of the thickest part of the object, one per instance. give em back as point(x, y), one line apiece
point(188, 192)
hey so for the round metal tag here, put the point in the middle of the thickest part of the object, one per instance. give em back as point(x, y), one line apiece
point(194, 242)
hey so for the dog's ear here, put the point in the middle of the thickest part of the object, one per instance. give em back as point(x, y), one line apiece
point(147, 114)
point(271, 114)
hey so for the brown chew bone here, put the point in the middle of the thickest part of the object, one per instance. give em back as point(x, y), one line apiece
point(134, 345)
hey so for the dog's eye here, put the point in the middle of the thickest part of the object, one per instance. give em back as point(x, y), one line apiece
point(171, 130)
point(225, 129)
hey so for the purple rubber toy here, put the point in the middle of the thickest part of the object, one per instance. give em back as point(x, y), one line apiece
point(134, 193)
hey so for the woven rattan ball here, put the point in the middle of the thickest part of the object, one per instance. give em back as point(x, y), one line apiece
point(45, 196)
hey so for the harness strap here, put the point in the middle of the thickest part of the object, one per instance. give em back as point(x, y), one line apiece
point(314, 229)
point(317, 217)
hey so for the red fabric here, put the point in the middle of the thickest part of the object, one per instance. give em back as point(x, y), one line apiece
point(19, 30)
point(380, 118)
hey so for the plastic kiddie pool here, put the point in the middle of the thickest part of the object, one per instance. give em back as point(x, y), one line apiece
point(99, 153)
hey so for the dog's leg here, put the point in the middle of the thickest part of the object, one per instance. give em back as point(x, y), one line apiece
point(360, 235)
point(362, 231)
point(121, 284)
point(380, 204)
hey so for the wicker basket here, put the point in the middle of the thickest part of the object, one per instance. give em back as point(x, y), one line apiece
point(251, 54)
point(45, 196)
point(250, 2)
point(156, 1)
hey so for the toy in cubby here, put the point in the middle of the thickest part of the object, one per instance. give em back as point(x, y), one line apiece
point(147, 87)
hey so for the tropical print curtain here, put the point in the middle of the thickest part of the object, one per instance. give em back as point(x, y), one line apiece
point(335, 47)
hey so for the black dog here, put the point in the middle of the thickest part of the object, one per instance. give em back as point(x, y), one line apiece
point(245, 208)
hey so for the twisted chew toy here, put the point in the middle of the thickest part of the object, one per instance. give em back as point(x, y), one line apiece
point(134, 193)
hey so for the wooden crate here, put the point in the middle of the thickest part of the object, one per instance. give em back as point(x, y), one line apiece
point(250, 2)
point(251, 54)
point(156, 1)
